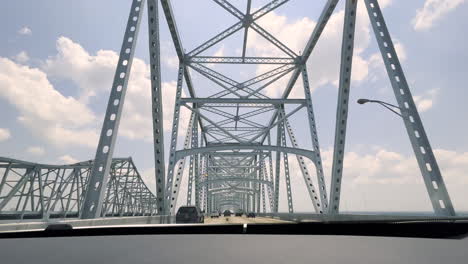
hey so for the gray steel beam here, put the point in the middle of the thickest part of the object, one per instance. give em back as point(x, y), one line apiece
point(172, 151)
point(303, 152)
point(203, 101)
point(286, 167)
point(314, 139)
point(317, 32)
point(272, 5)
point(241, 60)
point(234, 179)
point(430, 171)
point(230, 8)
point(58, 190)
point(234, 28)
point(246, 29)
point(174, 194)
point(167, 8)
point(305, 172)
point(279, 131)
point(100, 173)
point(347, 48)
point(157, 109)
point(191, 177)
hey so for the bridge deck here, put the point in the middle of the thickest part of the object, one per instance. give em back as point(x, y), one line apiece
point(242, 220)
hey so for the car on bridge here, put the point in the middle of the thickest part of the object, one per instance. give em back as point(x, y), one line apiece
point(189, 214)
point(239, 212)
point(251, 215)
point(215, 214)
point(227, 213)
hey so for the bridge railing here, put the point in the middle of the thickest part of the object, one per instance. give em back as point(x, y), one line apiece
point(358, 217)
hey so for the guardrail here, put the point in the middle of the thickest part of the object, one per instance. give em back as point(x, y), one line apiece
point(307, 217)
point(136, 220)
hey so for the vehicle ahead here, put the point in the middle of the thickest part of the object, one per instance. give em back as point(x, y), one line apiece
point(189, 214)
point(227, 213)
point(239, 212)
point(251, 215)
point(214, 214)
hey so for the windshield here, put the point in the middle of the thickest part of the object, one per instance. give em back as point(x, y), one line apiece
point(232, 111)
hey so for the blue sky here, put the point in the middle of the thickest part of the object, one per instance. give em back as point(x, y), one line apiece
point(57, 60)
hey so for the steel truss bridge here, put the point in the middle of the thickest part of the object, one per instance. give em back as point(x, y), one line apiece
point(239, 142)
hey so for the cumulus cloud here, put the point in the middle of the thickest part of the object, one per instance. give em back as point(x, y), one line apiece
point(60, 119)
point(4, 134)
point(93, 75)
point(383, 180)
point(66, 120)
point(432, 12)
point(25, 31)
point(425, 101)
point(67, 159)
point(21, 57)
point(35, 150)
point(326, 53)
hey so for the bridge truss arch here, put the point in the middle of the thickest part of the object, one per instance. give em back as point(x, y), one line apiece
point(227, 118)
point(239, 138)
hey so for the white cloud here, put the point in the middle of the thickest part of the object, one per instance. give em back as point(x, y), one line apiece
point(35, 150)
point(22, 57)
point(168, 55)
point(432, 12)
point(383, 180)
point(149, 179)
point(93, 75)
point(324, 61)
point(62, 120)
point(4, 134)
point(220, 52)
point(385, 3)
point(425, 101)
point(67, 159)
point(25, 31)
point(68, 120)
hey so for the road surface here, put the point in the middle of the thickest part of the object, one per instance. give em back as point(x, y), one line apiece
point(242, 220)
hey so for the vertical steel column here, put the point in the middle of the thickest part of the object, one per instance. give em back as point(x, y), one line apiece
point(435, 185)
point(193, 160)
point(257, 185)
point(203, 173)
point(282, 114)
point(270, 177)
point(314, 137)
point(205, 195)
point(305, 172)
point(156, 94)
point(204, 191)
point(196, 159)
point(181, 164)
point(190, 181)
point(170, 206)
point(347, 48)
point(100, 172)
point(279, 131)
point(262, 186)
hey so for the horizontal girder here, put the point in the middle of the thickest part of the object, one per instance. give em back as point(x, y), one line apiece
point(302, 152)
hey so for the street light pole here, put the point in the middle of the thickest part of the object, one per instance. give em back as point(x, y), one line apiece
point(384, 104)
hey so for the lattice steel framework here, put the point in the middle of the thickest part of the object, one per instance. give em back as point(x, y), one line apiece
point(31, 190)
point(234, 161)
